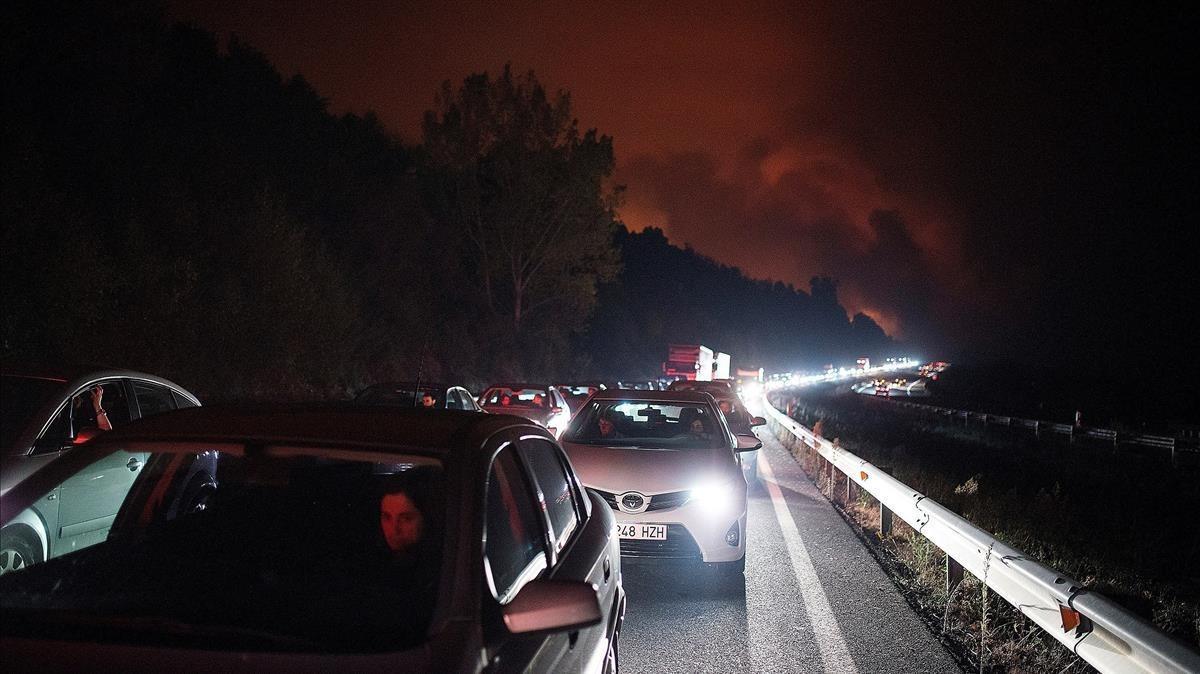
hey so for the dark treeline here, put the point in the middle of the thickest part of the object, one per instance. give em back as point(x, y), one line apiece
point(671, 295)
point(176, 205)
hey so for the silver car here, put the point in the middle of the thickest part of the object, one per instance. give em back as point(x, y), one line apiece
point(542, 404)
point(47, 413)
point(670, 468)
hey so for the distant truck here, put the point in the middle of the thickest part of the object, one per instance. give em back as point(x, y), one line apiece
point(749, 382)
point(689, 361)
point(720, 366)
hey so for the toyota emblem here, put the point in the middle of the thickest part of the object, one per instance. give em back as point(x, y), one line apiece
point(632, 502)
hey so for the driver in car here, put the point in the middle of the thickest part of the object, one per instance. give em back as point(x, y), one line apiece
point(608, 430)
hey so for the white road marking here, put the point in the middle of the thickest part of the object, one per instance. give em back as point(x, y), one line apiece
point(834, 654)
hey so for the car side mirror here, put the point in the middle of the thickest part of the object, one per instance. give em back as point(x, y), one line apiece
point(758, 421)
point(547, 605)
point(748, 443)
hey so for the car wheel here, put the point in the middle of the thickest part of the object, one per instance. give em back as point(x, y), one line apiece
point(17, 552)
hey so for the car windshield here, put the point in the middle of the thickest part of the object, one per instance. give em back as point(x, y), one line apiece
point(647, 425)
point(279, 549)
point(20, 398)
point(516, 397)
point(403, 395)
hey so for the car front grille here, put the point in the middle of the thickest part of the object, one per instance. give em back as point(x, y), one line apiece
point(679, 545)
point(672, 499)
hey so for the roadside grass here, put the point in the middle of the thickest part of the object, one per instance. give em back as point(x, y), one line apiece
point(1123, 524)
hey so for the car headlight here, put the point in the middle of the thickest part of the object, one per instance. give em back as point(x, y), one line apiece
point(714, 497)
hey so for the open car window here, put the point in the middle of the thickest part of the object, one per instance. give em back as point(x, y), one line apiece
point(268, 550)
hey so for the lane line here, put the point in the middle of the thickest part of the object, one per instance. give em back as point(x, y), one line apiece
point(834, 654)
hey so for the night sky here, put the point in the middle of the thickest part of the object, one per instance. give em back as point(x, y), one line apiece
point(1011, 181)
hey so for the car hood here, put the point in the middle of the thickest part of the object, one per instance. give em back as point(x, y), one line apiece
point(649, 471)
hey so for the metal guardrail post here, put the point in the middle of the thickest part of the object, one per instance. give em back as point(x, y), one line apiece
point(954, 574)
point(885, 513)
point(832, 481)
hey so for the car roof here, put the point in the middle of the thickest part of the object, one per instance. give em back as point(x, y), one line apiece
point(65, 372)
point(343, 425)
point(695, 383)
point(659, 396)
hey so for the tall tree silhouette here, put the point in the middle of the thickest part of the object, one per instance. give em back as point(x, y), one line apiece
point(527, 189)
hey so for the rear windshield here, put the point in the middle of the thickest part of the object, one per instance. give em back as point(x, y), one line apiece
point(517, 397)
point(647, 425)
point(20, 398)
point(263, 552)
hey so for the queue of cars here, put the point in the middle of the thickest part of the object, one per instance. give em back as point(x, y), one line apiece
point(361, 534)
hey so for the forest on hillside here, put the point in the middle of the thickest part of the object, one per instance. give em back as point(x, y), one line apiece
point(176, 205)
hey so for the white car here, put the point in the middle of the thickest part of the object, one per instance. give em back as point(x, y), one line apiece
point(540, 403)
point(668, 465)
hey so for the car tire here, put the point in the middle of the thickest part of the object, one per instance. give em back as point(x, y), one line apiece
point(17, 551)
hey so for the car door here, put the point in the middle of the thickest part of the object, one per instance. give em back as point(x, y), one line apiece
point(515, 552)
point(89, 500)
point(581, 549)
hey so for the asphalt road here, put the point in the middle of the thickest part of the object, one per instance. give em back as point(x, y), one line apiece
point(813, 599)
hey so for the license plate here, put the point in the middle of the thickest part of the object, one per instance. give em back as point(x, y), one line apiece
point(642, 532)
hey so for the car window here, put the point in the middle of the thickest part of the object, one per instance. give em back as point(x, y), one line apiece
point(514, 550)
point(550, 473)
point(516, 397)
point(152, 399)
point(113, 400)
point(232, 542)
point(58, 433)
point(468, 400)
point(181, 401)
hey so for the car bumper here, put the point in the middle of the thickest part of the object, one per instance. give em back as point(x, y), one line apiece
point(692, 533)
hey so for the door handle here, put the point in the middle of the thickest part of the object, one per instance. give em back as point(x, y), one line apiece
point(133, 465)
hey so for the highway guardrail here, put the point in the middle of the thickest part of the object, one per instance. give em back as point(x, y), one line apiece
point(1106, 635)
point(1108, 435)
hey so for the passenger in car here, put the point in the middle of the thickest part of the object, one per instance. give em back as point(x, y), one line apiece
point(401, 521)
point(95, 417)
point(692, 424)
point(608, 429)
point(427, 399)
